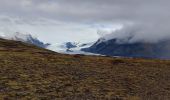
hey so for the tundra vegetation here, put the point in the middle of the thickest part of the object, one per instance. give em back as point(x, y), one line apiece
point(28, 72)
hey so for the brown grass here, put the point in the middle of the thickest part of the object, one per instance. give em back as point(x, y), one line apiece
point(31, 73)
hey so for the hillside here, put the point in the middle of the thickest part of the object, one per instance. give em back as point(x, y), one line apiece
point(31, 73)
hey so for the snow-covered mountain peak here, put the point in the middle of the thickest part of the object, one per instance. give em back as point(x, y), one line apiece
point(70, 47)
point(17, 36)
point(28, 38)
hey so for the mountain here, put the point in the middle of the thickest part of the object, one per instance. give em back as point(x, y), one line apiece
point(111, 47)
point(70, 45)
point(70, 48)
point(28, 38)
point(29, 72)
point(63, 47)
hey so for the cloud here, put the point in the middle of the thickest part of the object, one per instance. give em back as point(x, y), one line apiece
point(48, 30)
point(143, 32)
point(89, 10)
point(150, 18)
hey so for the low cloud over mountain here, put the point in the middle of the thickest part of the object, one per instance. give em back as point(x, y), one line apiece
point(28, 38)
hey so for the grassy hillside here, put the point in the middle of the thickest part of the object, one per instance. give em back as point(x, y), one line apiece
point(31, 73)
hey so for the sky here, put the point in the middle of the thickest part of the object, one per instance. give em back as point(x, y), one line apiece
point(87, 20)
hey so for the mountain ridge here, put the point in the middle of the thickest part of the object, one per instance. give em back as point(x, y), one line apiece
point(111, 47)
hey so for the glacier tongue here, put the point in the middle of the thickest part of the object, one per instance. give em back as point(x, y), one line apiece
point(71, 48)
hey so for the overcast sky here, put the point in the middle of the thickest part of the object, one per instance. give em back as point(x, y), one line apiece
point(80, 20)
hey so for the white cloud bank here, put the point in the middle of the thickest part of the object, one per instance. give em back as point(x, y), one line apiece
point(75, 20)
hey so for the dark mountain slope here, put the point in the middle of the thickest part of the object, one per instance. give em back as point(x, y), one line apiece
point(32, 73)
point(143, 50)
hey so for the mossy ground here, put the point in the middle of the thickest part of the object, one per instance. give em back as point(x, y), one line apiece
point(31, 73)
